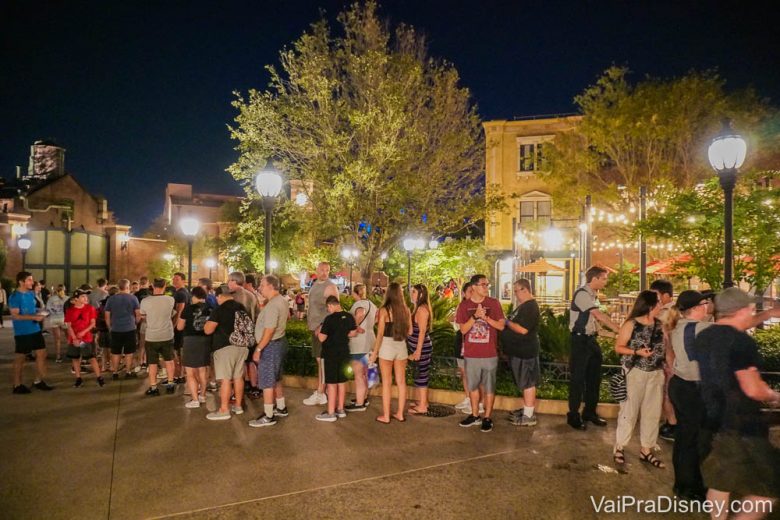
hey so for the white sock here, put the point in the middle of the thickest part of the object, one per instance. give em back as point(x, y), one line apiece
point(280, 403)
point(269, 410)
point(528, 411)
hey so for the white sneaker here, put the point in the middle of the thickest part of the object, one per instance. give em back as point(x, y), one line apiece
point(236, 410)
point(466, 403)
point(192, 404)
point(201, 398)
point(316, 399)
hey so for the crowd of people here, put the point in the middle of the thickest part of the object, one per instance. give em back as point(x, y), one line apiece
point(689, 360)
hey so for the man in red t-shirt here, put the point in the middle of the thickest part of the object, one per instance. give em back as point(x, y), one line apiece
point(80, 317)
point(480, 319)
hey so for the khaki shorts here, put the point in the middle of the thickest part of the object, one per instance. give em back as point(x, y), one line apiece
point(392, 350)
point(229, 362)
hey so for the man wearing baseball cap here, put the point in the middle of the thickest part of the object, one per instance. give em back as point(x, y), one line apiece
point(742, 460)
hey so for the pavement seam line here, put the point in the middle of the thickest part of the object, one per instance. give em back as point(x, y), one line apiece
point(338, 484)
point(113, 451)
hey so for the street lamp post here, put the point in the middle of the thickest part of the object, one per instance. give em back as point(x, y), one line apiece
point(24, 244)
point(350, 255)
point(189, 226)
point(210, 263)
point(726, 154)
point(269, 184)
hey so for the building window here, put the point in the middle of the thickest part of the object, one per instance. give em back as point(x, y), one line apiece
point(538, 209)
point(530, 157)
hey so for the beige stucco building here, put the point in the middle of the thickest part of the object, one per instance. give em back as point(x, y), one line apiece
point(515, 152)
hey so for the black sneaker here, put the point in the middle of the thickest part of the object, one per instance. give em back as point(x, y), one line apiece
point(101, 381)
point(153, 391)
point(487, 425)
point(355, 402)
point(575, 421)
point(180, 380)
point(78, 383)
point(281, 412)
point(471, 420)
point(666, 432)
point(131, 375)
point(114, 377)
point(169, 389)
point(355, 407)
point(594, 419)
point(41, 385)
point(21, 389)
point(255, 393)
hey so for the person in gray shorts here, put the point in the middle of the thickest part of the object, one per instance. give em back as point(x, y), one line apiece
point(319, 292)
point(480, 319)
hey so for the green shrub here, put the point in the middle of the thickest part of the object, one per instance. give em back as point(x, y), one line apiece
point(554, 336)
point(297, 333)
point(769, 344)
point(443, 338)
point(609, 356)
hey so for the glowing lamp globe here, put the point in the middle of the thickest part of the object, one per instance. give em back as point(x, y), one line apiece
point(268, 183)
point(727, 151)
point(189, 226)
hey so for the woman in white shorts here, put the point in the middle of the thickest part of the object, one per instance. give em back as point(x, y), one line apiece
point(55, 321)
point(394, 325)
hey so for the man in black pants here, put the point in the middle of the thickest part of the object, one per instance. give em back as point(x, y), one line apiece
point(585, 357)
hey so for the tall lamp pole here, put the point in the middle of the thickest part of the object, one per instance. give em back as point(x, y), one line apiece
point(210, 263)
point(726, 154)
point(269, 184)
point(350, 255)
point(24, 244)
point(189, 226)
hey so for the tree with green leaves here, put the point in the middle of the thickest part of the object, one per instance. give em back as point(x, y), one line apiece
point(383, 138)
point(452, 259)
point(650, 133)
point(693, 218)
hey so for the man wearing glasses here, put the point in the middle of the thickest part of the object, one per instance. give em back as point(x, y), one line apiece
point(480, 319)
point(585, 357)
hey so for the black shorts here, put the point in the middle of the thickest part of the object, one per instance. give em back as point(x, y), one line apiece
point(178, 340)
point(123, 343)
point(336, 369)
point(84, 351)
point(155, 349)
point(26, 343)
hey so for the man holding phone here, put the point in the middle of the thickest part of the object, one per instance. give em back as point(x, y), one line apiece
point(27, 332)
point(480, 318)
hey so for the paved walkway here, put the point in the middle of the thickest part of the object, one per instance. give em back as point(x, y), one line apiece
point(113, 453)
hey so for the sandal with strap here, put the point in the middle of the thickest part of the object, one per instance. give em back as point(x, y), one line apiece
point(619, 457)
point(649, 458)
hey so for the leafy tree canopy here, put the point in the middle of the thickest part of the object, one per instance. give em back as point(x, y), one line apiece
point(382, 137)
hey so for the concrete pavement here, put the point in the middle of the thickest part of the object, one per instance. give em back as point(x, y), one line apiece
point(114, 453)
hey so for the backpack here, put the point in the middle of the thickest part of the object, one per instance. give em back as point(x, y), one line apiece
point(243, 330)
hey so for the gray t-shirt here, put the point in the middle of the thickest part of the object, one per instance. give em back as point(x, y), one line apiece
point(317, 308)
point(584, 301)
point(363, 342)
point(97, 296)
point(684, 367)
point(122, 307)
point(273, 316)
point(158, 310)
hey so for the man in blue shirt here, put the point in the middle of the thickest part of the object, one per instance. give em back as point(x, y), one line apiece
point(27, 332)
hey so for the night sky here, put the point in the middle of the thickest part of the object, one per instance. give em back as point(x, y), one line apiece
point(139, 92)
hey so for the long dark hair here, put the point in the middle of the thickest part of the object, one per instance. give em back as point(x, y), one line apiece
point(395, 304)
point(645, 302)
point(422, 296)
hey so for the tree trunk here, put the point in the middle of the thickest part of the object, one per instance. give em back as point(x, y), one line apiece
point(759, 294)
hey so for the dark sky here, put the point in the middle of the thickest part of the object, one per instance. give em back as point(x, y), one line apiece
point(139, 92)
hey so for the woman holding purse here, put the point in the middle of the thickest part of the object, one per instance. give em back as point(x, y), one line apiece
point(641, 343)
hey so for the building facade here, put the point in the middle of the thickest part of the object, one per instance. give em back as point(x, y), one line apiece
point(531, 228)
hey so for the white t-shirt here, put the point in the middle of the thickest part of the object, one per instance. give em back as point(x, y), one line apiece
point(158, 311)
point(363, 342)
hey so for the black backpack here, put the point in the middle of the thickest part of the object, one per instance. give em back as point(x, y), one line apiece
point(243, 334)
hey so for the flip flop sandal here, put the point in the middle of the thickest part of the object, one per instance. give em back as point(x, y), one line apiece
point(381, 421)
point(619, 457)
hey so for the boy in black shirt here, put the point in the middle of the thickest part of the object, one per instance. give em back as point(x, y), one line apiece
point(334, 333)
